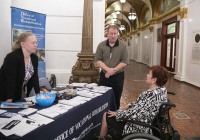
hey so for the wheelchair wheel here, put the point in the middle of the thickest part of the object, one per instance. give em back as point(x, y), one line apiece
point(140, 136)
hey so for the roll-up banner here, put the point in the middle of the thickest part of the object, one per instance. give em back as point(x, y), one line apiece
point(24, 20)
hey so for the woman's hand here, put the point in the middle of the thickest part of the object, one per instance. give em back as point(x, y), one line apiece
point(111, 113)
point(9, 100)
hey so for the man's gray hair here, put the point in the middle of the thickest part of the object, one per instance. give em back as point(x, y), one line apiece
point(113, 27)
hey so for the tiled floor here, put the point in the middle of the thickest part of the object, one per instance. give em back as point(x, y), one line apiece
point(186, 115)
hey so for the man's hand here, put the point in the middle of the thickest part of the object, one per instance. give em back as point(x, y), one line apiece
point(109, 72)
point(107, 75)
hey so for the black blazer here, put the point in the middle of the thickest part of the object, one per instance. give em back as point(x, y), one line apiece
point(12, 75)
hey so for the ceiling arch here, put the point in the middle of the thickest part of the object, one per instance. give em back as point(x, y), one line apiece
point(145, 11)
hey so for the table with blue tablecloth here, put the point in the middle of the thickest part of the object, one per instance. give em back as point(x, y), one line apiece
point(81, 122)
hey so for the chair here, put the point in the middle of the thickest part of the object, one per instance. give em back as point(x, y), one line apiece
point(161, 127)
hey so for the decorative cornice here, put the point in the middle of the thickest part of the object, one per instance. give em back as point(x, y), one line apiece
point(173, 12)
point(183, 13)
point(153, 21)
point(128, 34)
point(144, 26)
point(132, 33)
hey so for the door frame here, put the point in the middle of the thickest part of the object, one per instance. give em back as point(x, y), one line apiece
point(164, 43)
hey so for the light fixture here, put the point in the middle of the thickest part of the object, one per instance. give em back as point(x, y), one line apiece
point(122, 1)
point(114, 19)
point(117, 12)
point(132, 14)
point(122, 27)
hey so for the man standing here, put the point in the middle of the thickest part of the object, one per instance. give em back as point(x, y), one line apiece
point(112, 57)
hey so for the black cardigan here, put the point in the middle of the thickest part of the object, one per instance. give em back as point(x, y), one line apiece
point(12, 75)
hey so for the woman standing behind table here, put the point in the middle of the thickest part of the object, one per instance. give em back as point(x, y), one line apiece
point(19, 72)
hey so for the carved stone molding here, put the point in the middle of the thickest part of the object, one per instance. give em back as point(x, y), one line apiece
point(183, 13)
point(151, 28)
point(85, 70)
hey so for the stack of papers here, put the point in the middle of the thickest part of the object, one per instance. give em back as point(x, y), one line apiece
point(2, 111)
point(48, 113)
point(91, 85)
point(81, 98)
point(60, 108)
point(78, 84)
point(8, 114)
point(40, 119)
point(27, 111)
point(101, 89)
point(54, 110)
point(18, 125)
point(3, 121)
point(71, 102)
point(88, 94)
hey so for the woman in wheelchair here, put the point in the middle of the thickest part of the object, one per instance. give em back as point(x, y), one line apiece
point(144, 109)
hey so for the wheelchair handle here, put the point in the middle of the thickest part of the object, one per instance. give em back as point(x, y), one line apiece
point(168, 104)
point(171, 92)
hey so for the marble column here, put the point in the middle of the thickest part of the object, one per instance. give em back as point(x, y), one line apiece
point(85, 69)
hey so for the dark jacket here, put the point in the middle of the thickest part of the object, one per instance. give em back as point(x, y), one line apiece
point(12, 75)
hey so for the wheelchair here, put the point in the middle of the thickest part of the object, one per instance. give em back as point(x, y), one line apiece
point(161, 126)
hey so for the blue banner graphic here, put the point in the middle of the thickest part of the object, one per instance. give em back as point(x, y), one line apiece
point(24, 20)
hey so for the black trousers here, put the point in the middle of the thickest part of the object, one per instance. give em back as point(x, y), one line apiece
point(116, 82)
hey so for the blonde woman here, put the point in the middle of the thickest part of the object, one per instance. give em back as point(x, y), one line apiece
point(19, 72)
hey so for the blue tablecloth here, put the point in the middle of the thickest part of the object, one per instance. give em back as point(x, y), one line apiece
point(80, 122)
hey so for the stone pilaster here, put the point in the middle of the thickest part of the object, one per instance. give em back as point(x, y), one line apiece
point(85, 69)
